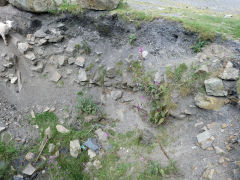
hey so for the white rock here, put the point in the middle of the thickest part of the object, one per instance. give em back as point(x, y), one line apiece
point(51, 147)
point(219, 150)
point(101, 135)
point(75, 148)
point(91, 153)
point(30, 55)
point(229, 73)
point(144, 54)
point(23, 47)
point(82, 75)
point(2, 129)
point(29, 156)
point(228, 16)
point(62, 129)
point(14, 79)
point(80, 61)
point(29, 170)
point(42, 41)
point(97, 164)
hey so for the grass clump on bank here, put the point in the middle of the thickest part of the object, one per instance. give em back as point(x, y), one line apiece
point(67, 7)
point(160, 94)
point(182, 78)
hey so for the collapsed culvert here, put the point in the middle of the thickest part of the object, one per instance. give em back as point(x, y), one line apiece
point(119, 73)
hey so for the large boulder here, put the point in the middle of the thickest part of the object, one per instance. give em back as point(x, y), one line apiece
point(3, 2)
point(215, 87)
point(46, 5)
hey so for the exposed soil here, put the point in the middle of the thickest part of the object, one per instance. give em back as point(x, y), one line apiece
point(167, 43)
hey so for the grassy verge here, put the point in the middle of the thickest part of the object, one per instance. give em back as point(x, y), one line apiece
point(206, 23)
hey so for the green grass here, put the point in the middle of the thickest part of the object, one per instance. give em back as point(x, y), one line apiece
point(189, 83)
point(86, 105)
point(206, 23)
point(64, 165)
point(90, 67)
point(132, 39)
point(119, 68)
point(155, 171)
point(199, 44)
point(160, 94)
point(66, 7)
point(8, 153)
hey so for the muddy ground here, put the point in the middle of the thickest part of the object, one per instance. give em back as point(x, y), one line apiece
point(167, 43)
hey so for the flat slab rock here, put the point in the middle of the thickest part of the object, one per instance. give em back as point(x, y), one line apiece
point(205, 139)
point(208, 102)
point(29, 170)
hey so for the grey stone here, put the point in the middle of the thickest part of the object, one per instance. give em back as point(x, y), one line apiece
point(46, 5)
point(205, 139)
point(40, 34)
point(202, 69)
point(229, 73)
point(214, 87)
point(82, 75)
point(29, 170)
point(71, 61)
point(72, 43)
point(54, 38)
point(55, 76)
point(80, 61)
point(230, 87)
point(116, 94)
point(42, 41)
point(110, 72)
point(208, 174)
point(236, 174)
point(75, 148)
point(62, 60)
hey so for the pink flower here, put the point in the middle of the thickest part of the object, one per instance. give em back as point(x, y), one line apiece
point(152, 97)
point(143, 97)
point(156, 83)
point(142, 158)
point(107, 134)
point(140, 50)
point(138, 107)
